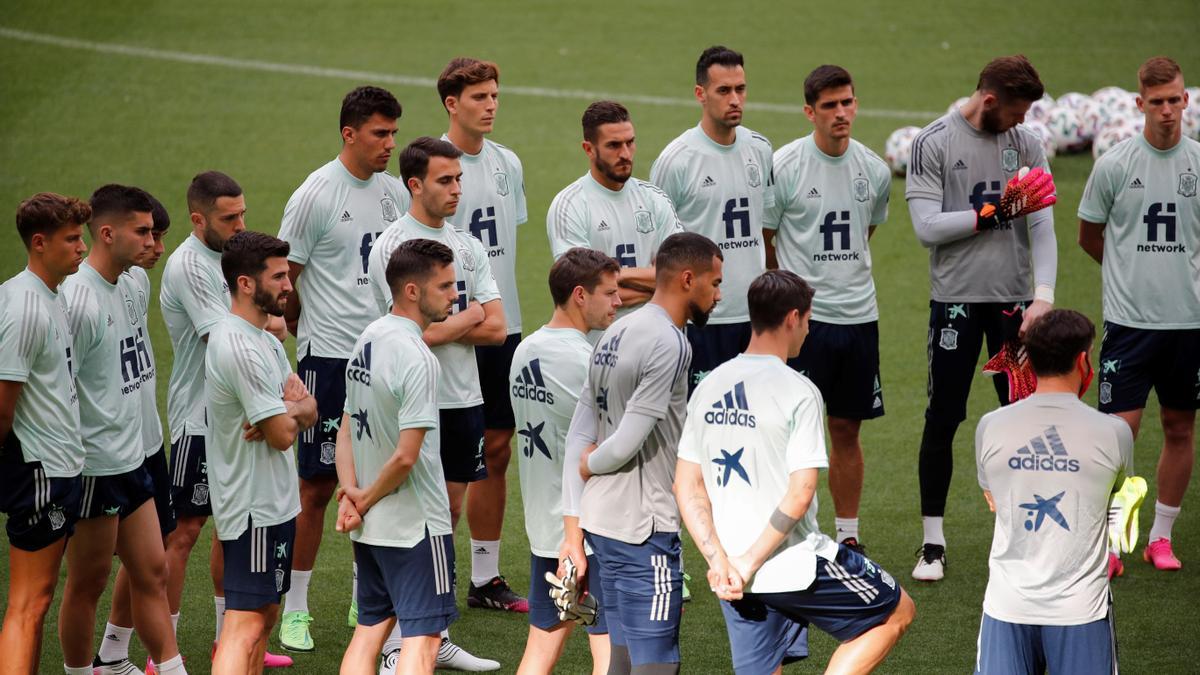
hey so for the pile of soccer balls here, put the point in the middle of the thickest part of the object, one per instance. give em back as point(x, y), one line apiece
point(1069, 124)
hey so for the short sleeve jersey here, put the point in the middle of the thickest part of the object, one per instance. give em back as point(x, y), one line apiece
point(36, 335)
point(824, 209)
point(638, 366)
point(1147, 198)
point(245, 370)
point(548, 371)
point(111, 360)
point(750, 424)
point(458, 383)
point(963, 168)
point(152, 433)
point(194, 297)
point(391, 386)
point(331, 222)
point(1050, 462)
point(491, 207)
point(723, 193)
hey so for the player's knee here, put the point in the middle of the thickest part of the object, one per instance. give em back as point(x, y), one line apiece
point(187, 531)
point(89, 577)
point(150, 577)
point(315, 494)
point(497, 459)
point(33, 604)
point(1179, 430)
point(906, 610)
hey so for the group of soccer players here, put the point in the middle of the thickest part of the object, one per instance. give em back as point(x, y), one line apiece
point(709, 325)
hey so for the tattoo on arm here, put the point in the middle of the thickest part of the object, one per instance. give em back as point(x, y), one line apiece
point(782, 522)
point(706, 538)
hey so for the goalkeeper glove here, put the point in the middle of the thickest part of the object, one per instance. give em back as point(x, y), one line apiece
point(567, 599)
point(1028, 191)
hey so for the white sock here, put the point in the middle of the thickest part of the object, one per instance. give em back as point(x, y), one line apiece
point(82, 670)
point(485, 561)
point(445, 633)
point(1164, 520)
point(172, 666)
point(353, 583)
point(175, 622)
point(846, 528)
point(114, 646)
point(394, 639)
point(219, 605)
point(296, 599)
point(933, 530)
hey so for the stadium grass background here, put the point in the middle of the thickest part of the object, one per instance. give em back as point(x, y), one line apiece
point(71, 120)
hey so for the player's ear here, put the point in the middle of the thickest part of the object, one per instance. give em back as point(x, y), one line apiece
point(451, 104)
point(700, 93)
point(588, 149)
point(810, 113)
point(579, 296)
point(348, 135)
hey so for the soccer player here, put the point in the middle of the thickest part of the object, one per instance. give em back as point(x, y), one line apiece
point(1140, 219)
point(746, 483)
point(113, 654)
point(719, 176)
point(331, 223)
point(607, 211)
point(988, 277)
point(831, 192)
point(549, 370)
point(394, 503)
point(117, 513)
point(41, 452)
point(623, 437)
point(194, 297)
point(1048, 465)
point(258, 407)
point(432, 172)
point(491, 207)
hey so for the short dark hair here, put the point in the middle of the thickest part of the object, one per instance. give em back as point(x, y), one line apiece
point(47, 212)
point(825, 77)
point(600, 113)
point(414, 159)
point(207, 188)
point(717, 55)
point(1157, 71)
point(685, 251)
point(162, 219)
point(773, 295)
point(463, 72)
point(1011, 78)
point(362, 102)
point(415, 260)
point(118, 200)
point(1055, 339)
point(579, 267)
point(246, 254)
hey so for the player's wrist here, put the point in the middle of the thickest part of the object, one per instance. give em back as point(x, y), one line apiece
point(1044, 293)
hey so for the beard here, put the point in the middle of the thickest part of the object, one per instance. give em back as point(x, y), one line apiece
point(432, 312)
point(271, 304)
point(213, 240)
point(697, 316)
point(991, 122)
point(610, 171)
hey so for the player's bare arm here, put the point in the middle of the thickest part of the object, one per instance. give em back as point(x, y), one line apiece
point(395, 470)
point(572, 547)
point(1091, 239)
point(769, 248)
point(10, 393)
point(455, 326)
point(696, 510)
point(492, 330)
point(291, 311)
point(348, 517)
point(802, 485)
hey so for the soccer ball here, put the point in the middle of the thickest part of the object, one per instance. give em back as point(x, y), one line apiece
point(1039, 110)
point(1067, 130)
point(1109, 96)
point(958, 103)
point(1093, 116)
point(1045, 135)
point(1191, 121)
point(1073, 100)
point(1110, 137)
point(898, 149)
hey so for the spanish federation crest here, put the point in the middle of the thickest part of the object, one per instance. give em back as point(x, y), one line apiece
point(131, 311)
point(501, 183)
point(327, 452)
point(466, 259)
point(1009, 159)
point(279, 580)
point(1106, 392)
point(949, 339)
point(861, 191)
point(200, 494)
point(1187, 184)
point(643, 222)
point(390, 213)
point(57, 517)
point(753, 175)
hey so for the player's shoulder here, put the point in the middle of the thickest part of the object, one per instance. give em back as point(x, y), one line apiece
point(573, 192)
point(868, 156)
point(323, 183)
point(792, 151)
point(22, 301)
point(652, 191)
point(679, 150)
point(507, 154)
point(755, 139)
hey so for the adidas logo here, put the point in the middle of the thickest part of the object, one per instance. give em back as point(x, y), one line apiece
point(530, 386)
point(813, 194)
point(1044, 453)
point(113, 637)
point(359, 369)
point(959, 165)
point(482, 550)
point(707, 182)
point(606, 355)
point(1136, 184)
point(732, 409)
point(346, 217)
point(603, 227)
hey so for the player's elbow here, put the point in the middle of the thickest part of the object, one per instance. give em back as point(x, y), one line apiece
point(281, 434)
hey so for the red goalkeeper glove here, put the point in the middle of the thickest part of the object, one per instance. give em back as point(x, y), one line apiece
point(1028, 191)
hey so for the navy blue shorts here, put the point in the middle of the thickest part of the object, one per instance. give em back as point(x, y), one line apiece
point(494, 362)
point(41, 510)
point(118, 495)
point(713, 345)
point(542, 612)
point(326, 381)
point(461, 431)
point(1133, 360)
point(258, 565)
point(843, 361)
point(415, 585)
point(643, 586)
point(160, 478)
point(189, 477)
point(850, 596)
point(1014, 648)
point(957, 332)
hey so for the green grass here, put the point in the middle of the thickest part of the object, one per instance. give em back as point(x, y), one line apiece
point(72, 119)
